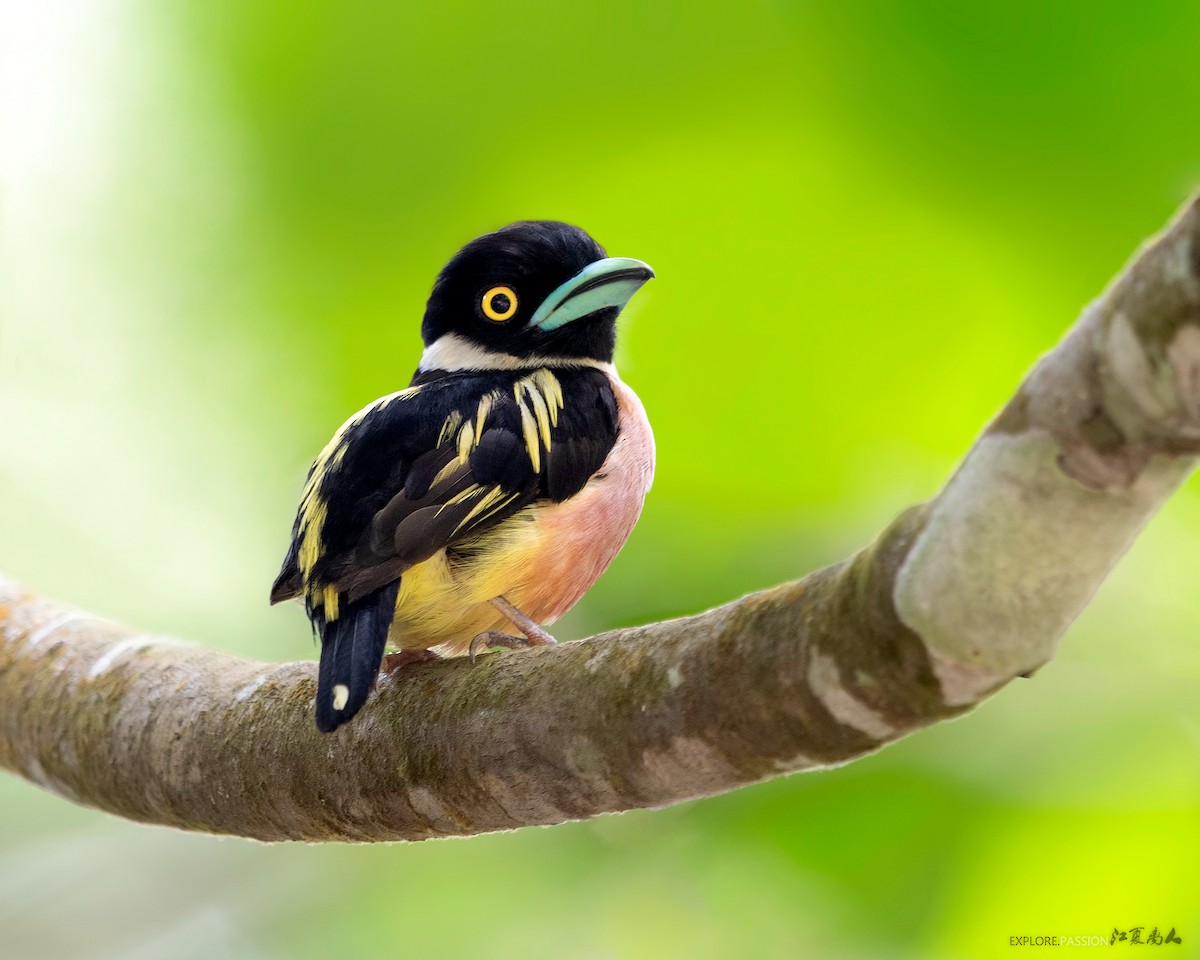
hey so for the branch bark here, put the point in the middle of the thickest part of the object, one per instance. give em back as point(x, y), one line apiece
point(955, 598)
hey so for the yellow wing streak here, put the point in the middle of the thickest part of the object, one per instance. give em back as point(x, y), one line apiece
point(330, 595)
point(445, 473)
point(540, 411)
point(481, 414)
point(466, 442)
point(315, 511)
point(449, 427)
point(473, 490)
point(498, 507)
point(486, 502)
point(529, 431)
point(547, 383)
point(405, 394)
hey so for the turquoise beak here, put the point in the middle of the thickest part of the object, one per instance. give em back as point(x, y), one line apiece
point(605, 283)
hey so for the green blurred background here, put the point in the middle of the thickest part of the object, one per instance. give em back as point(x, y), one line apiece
point(220, 223)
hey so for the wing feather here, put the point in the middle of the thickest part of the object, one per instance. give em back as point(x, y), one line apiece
point(400, 481)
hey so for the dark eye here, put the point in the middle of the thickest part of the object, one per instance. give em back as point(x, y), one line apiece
point(499, 304)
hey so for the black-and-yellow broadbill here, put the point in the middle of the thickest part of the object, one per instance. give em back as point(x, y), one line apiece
point(491, 493)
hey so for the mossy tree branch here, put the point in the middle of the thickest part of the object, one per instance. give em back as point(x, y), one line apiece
point(953, 600)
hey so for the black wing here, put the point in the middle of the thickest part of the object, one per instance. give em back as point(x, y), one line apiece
point(421, 470)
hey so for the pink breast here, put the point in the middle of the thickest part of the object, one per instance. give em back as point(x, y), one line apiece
point(580, 537)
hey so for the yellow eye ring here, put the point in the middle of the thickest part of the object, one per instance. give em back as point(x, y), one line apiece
point(502, 310)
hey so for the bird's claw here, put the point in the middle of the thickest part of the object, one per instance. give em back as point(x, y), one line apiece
point(397, 661)
point(494, 638)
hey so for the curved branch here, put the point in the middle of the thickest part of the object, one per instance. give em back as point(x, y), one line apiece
point(952, 600)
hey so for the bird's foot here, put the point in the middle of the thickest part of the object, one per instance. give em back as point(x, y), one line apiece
point(534, 635)
point(494, 638)
point(398, 661)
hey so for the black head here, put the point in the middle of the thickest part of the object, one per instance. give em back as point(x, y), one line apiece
point(536, 288)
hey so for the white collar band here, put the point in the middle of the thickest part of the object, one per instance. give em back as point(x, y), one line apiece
point(451, 352)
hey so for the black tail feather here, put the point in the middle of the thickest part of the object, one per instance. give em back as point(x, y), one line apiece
point(351, 650)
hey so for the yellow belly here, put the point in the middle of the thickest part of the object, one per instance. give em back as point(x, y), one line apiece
point(444, 602)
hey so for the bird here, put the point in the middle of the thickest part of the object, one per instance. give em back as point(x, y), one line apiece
point(491, 492)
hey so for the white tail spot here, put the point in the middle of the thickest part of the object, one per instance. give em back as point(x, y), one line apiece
point(341, 693)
